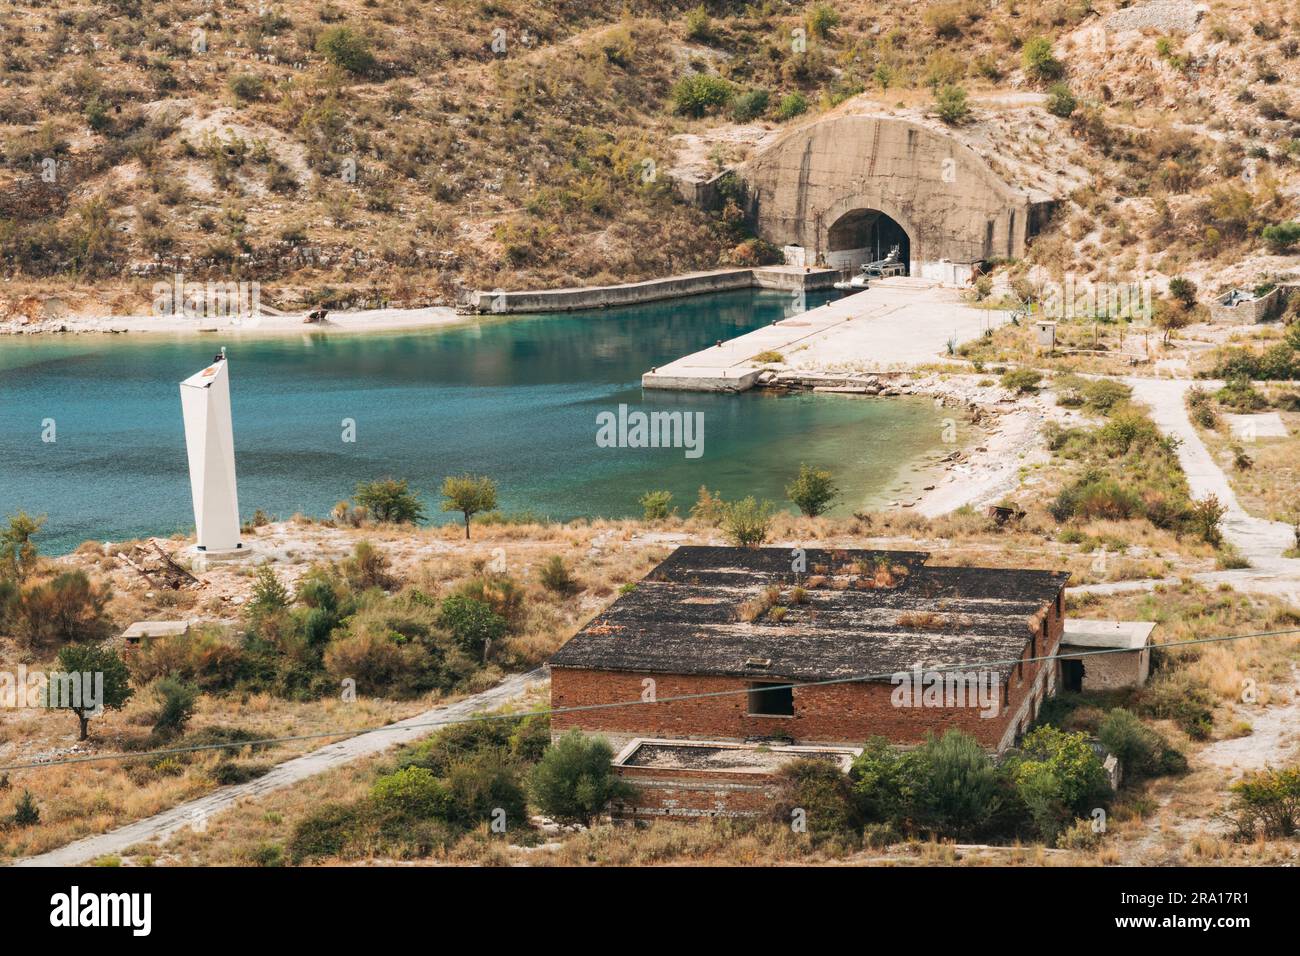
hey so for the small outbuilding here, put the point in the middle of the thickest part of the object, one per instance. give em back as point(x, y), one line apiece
point(1110, 654)
point(142, 631)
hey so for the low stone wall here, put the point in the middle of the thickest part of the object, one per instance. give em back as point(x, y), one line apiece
point(652, 290)
point(1247, 312)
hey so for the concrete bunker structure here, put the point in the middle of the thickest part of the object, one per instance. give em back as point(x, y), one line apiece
point(848, 188)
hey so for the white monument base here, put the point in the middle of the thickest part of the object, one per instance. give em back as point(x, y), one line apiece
point(201, 560)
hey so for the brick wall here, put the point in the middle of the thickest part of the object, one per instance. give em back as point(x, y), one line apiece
point(684, 793)
point(828, 714)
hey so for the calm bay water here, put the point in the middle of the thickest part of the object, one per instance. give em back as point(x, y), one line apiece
point(515, 399)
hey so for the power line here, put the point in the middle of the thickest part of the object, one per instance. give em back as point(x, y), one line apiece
point(473, 718)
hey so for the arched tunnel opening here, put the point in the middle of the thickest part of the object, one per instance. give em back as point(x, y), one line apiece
point(865, 235)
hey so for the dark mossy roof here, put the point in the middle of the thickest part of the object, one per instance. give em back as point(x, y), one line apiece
point(864, 613)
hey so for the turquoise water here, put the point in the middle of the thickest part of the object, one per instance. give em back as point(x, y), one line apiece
point(515, 399)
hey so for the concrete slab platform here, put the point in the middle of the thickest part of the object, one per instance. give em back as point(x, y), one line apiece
point(1250, 427)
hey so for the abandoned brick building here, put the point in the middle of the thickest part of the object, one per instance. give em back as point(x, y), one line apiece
point(716, 626)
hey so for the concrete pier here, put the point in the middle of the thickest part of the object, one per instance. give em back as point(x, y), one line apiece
point(895, 324)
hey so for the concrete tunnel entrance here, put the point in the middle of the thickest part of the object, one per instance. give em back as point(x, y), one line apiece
point(865, 235)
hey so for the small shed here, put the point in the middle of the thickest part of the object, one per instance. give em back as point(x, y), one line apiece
point(1125, 663)
point(142, 631)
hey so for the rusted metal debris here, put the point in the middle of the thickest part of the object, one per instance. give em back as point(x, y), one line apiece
point(159, 568)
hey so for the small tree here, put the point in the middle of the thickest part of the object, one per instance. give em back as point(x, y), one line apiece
point(812, 491)
point(18, 554)
point(269, 595)
point(956, 786)
point(574, 781)
point(26, 813)
point(469, 494)
point(655, 505)
point(1204, 517)
point(746, 522)
point(1281, 237)
point(1169, 317)
point(822, 20)
point(176, 701)
point(1183, 290)
point(699, 93)
point(950, 103)
point(390, 500)
point(98, 662)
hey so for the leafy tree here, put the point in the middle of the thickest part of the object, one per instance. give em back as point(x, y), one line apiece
point(67, 608)
point(345, 48)
point(746, 522)
point(1183, 290)
point(472, 623)
point(1169, 317)
point(655, 505)
point(18, 554)
point(176, 701)
point(469, 494)
point(812, 491)
point(574, 781)
point(78, 659)
point(950, 103)
point(481, 785)
point(390, 500)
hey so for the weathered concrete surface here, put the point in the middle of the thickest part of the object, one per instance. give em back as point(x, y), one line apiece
point(653, 290)
point(947, 198)
point(895, 324)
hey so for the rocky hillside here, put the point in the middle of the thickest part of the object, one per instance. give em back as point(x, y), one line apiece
point(360, 151)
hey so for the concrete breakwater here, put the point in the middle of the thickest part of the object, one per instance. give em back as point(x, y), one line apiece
point(780, 278)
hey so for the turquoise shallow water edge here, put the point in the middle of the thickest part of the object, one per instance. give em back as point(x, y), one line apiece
point(516, 399)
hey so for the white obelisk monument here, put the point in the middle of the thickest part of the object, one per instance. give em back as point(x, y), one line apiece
point(210, 442)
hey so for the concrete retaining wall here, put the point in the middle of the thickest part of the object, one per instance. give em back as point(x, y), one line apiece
point(784, 278)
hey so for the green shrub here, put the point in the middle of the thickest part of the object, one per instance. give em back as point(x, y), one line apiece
point(473, 623)
point(699, 26)
point(699, 94)
point(574, 781)
point(1204, 519)
point(246, 86)
point(956, 788)
point(822, 20)
point(1022, 381)
point(813, 491)
point(792, 105)
point(750, 105)
point(1060, 101)
point(1281, 237)
point(950, 103)
point(176, 701)
point(747, 522)
point(1267, 804)
point(819, 794)
point(1038, 60)
point(555, 577)
point(345, 48)
point(324, 833)
point(879, 776)
point(655, 505)
point(1141, 751)
point(368, 567)
point(26, 813)
point(1175, 697)
point(18, 553)
point(1183, 291)
point(411, 792)
point(1058, 776)
point(482, 788)
point(469, 494)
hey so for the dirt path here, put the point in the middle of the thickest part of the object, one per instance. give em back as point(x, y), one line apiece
point(1259, 540)
point(163, 825)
